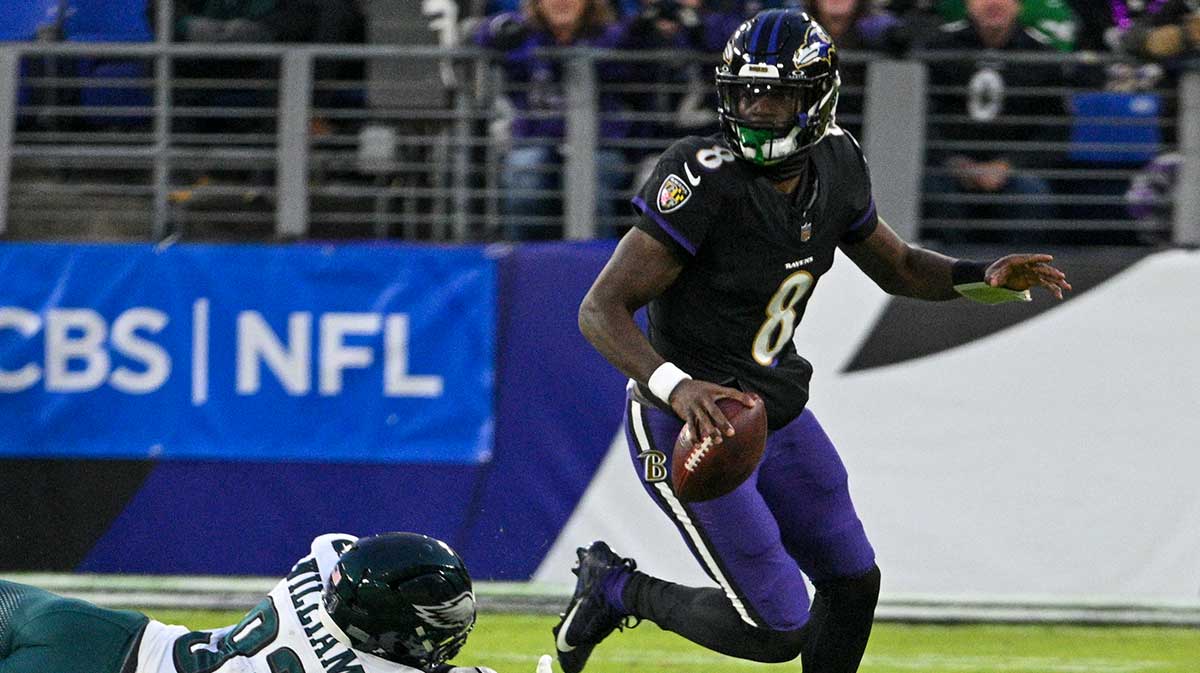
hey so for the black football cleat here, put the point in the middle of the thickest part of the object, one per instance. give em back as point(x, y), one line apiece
point(589, 617)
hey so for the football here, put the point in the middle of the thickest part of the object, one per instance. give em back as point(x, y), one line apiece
point(705, 470)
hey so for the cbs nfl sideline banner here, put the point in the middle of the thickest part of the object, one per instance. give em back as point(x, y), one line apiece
point(350, 353)
point(1035, 450)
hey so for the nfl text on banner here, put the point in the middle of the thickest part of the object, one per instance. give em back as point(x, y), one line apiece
point(306, 352)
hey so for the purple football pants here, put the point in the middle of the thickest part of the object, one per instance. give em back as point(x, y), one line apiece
point(792, 514)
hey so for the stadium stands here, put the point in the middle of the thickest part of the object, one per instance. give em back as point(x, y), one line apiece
point(449, 127)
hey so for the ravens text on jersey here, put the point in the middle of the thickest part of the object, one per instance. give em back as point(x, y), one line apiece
point(752, 257)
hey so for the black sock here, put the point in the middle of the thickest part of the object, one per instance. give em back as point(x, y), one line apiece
point(833, 640)
point(706, 617)
point(839, 624)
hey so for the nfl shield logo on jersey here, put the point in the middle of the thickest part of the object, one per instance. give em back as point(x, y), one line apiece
point(673, 194)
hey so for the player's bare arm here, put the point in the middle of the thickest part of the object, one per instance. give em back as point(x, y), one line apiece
point(900, 268)
point(639, 270)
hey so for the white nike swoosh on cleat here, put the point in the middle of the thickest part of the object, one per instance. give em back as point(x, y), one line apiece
point(561, 641)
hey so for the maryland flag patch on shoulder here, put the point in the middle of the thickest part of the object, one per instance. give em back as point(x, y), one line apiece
point(673, 194)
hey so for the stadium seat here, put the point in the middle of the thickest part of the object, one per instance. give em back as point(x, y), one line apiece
point(1110, 131)
point(24, 93)
point(20, 20)
point(110, 21)
point(114, 96)
point(1111, 118)
point(107, 21)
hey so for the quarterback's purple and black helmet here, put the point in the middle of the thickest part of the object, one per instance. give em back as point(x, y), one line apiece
point(784, 57)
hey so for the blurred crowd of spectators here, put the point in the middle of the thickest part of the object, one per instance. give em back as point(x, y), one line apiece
point(1152, 29)
point(991, 102)
point(1159, 37)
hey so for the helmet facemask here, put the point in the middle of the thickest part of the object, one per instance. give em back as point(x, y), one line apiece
point(769, 120)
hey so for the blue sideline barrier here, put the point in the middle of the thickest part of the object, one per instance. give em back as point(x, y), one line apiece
point(557, 407)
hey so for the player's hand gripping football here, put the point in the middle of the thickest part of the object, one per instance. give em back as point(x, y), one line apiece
point(1021, 272)
point(696, 403)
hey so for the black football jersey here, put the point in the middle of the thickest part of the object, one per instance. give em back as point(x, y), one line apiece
point(752, 258)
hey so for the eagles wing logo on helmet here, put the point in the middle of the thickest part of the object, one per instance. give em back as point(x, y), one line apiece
point(816, 48)
point(451, 614)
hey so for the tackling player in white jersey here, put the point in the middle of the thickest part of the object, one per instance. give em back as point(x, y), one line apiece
point(391, 603)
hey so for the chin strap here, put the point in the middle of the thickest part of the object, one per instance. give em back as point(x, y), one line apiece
point(756, 139)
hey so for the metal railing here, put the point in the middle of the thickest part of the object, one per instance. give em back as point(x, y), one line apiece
point(136, 143)
point(1076, 146)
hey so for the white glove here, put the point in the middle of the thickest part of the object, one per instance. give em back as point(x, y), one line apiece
point(544, 664)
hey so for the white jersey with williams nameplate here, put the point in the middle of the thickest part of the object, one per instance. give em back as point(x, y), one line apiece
point(286, 633)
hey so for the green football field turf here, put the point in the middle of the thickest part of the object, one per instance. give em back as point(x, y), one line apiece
point(512, 643)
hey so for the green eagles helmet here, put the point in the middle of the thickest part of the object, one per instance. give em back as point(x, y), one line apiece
point(402, 596)
point(784, 61)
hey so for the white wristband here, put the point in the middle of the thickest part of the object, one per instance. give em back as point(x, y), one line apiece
point(664, 379)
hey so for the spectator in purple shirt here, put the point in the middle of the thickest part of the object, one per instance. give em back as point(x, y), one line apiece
point(539, 98)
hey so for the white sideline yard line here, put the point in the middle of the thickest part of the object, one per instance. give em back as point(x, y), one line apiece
point(237, 593)
point(932, 662)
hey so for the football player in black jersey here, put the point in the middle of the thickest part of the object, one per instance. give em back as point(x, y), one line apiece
point(736, 230)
